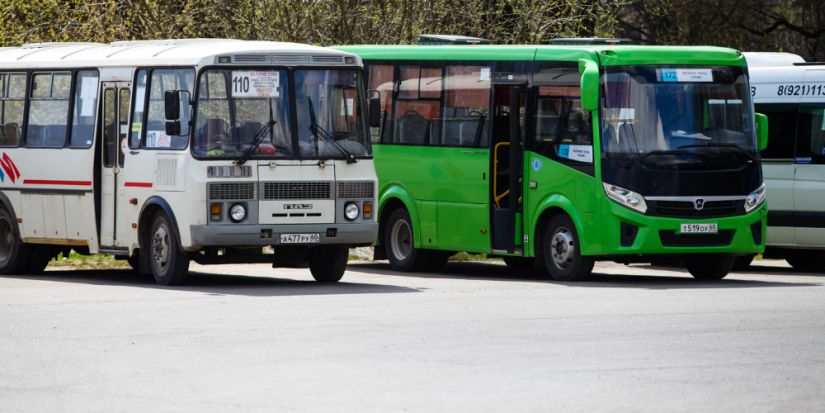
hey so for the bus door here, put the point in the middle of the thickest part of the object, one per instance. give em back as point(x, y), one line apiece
point(507, 168)
point(114, 123)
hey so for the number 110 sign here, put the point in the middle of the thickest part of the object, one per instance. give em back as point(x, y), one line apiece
point(255, 84)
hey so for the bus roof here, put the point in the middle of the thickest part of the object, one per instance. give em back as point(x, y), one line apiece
point(162, 53)
point(607, 55)
point(757, 59)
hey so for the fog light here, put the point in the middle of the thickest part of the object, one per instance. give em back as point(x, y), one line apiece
point(237, 212)
point(349, 60)
point(351, 211)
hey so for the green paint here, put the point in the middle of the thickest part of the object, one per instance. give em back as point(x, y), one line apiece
point(762, 131)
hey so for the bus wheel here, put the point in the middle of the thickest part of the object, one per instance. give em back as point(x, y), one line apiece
point(709, 266)
point(170, 265)
point(520, 264)
point(400, 244)
point(805, 260)
point(14, 256)
point(134, 261)
point(743, 263)
point(327, 263)
point(562, 251)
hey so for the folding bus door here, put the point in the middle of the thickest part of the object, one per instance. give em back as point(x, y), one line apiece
point(114, 124)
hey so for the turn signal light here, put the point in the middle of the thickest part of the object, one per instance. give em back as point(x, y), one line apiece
point(134, 225)
point(367, 207)
point(133, 201)
point(216, 209)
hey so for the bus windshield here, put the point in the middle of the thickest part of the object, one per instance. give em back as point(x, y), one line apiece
point(678, 117)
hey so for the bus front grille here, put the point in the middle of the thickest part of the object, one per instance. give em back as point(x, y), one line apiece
point(357, 190)
point(685, 209)
point(297, 190)
point(232, 190)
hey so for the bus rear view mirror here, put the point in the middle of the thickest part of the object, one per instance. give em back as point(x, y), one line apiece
point(173, 100)
point(375, 112)
point(589, 84)
point(762, 131)
point(173, 128)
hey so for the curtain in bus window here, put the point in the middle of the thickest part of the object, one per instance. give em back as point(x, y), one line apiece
point(418, 107)
point(381, 78)
point(139, 107)
point(811, 133)
point(162, 80)
point(12, 103)
point(48, 110)
point(782, 123)
point(85, 107)
point(466, 115)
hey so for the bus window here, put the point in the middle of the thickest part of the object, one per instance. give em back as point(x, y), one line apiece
point(782, 119)
point(123, 122)
point(139, 106)
point(161, 81)
point(558, 117)
point(109, 128)
point(382, 79)
point(466, 120)
point(12, 103)
point(418, 106)
point(811, 133)
point(48, 110)
point(85, 106)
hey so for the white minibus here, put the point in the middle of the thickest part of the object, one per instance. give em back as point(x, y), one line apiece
point(791, 92)
point(162, 152)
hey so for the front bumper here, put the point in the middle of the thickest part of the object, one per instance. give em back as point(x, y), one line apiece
point(658, 235)
point(250, 235)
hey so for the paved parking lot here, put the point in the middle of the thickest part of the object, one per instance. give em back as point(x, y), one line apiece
point(472, 338)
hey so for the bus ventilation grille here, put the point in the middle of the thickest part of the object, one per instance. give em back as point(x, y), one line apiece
point(251, 58)
point(684, 209)
point(289, 58)
point(359, 190)
point(670, 238)
point(297, 190)
point(232, 190)
point(327, 59)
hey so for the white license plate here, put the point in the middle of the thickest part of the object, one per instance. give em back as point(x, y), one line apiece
point(698, 229)
point(300, 238)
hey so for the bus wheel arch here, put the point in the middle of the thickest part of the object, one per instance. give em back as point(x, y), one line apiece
point(147, 215)
point(550, 209)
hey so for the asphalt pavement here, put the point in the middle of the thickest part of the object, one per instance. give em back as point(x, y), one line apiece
point(474, 337)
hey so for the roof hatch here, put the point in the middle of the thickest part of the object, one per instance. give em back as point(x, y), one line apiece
point(588, 41)
point(442, 39)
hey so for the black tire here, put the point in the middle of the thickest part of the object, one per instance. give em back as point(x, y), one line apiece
point(743, 263)
point(328, 263)
point(134, 261)
point(562, 252)
point(520, 265)
point(170, 265)
point(40, 257)
point(399, 243)
point(805, 260)
point(709, 266)
point(14, 256)
point(438, 260)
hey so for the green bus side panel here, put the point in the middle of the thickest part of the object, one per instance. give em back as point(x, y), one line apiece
point(585, 194)
point(428, 217)
point(436, 174)
point(460, 227)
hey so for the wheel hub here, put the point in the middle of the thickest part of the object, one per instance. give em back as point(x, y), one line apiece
point(401, 240)
point(563, 247)
point(160, 246)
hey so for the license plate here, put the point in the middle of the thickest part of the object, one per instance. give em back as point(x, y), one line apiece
point(698, 229)
point(300, 238)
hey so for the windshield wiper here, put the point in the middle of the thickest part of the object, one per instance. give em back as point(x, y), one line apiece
point(258, 138)
point(319, 131)
point(724, 145)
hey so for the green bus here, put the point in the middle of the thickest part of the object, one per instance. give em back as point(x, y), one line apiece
point(556, 156)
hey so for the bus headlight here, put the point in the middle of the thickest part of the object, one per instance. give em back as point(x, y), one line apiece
point(237, 212)
point(755, 199)
point(351, 211)
point(625, 197)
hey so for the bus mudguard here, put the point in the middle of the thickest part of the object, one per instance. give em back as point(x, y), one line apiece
point(150, 207)
point(565, 204)
point(396, 191)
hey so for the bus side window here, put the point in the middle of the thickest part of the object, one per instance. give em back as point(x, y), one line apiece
point(782, 129)
point(558, 117)
point(382, 79)
point(138, 108)
point(48, 110)
point(85, 107)
point(811, 133)
point(466, 120)
point(418, 107)
point(12, 103)
point(160, 81)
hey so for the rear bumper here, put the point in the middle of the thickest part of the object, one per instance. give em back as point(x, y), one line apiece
point(251, 235)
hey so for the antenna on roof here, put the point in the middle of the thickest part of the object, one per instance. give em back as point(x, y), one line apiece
point(589, 41)
point(442, 39)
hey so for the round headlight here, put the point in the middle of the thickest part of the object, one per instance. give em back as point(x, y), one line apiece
point(751, 200)
point(351, 211)
point(237, 212)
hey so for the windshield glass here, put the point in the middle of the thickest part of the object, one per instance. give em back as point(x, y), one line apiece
point(235, 106)
point(336, 113)
point(658, 115)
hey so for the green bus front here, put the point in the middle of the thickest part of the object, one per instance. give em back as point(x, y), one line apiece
point(625, 153)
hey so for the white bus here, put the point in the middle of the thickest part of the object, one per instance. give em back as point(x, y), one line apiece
point(162, 152)
point(791, 93)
